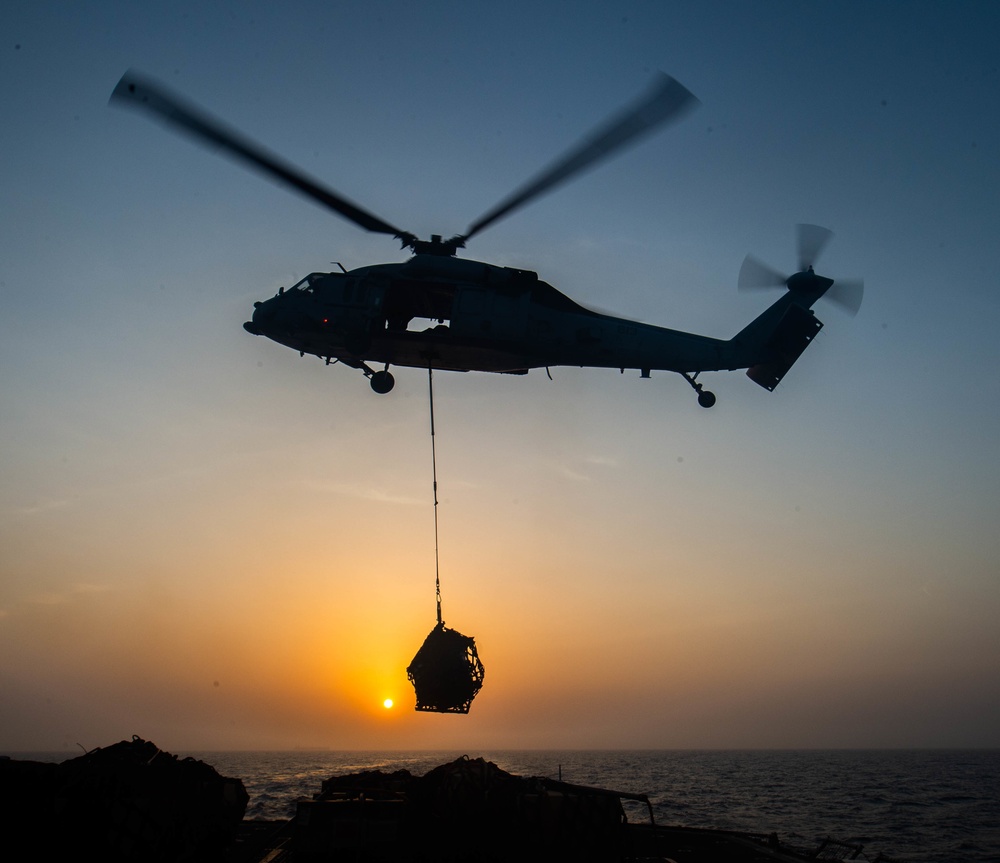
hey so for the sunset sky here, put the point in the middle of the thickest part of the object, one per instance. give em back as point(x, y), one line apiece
point(213, 543)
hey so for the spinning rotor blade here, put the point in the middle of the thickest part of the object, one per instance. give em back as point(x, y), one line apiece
point(755, 274)
point(811, 240)
point(139, 92)
point(848, 294)
point(666, 100)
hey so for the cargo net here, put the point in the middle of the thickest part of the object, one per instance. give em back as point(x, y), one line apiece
point(446, 672)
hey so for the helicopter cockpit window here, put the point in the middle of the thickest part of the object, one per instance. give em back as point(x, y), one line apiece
point(308, 283)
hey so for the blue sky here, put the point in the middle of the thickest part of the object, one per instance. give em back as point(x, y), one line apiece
point(214, 543)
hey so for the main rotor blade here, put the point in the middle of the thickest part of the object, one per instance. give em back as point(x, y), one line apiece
point(666, 100)
point(756, 274)
point(811, 239)
point(848, 294)
point(139, 92)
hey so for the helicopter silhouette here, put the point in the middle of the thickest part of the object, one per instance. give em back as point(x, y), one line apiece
point(439, 311)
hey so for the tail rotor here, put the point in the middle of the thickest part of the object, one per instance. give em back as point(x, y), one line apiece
point(810, 242)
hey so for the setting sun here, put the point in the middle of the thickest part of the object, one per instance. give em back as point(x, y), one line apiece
point(387, 703)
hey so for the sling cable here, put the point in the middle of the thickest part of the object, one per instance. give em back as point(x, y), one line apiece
point(446, 672)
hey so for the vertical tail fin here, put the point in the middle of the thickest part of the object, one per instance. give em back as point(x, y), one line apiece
point(773, 341)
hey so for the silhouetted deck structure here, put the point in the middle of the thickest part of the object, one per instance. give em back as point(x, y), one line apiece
point(470, 811)
point(133, 802)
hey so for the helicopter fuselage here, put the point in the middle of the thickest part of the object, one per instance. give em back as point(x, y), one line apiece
point(454, 314)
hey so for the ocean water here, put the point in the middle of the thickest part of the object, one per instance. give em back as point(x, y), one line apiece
point(920, 806)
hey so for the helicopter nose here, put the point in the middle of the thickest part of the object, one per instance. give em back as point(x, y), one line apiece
point(279, 318)
point(261, 314)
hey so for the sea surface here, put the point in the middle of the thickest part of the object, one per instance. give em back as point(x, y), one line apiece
point(917, 806)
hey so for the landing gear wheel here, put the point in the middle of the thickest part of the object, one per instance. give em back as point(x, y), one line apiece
point(382, 382)
point(705, 398)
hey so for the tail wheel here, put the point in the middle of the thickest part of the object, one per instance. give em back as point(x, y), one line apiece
point(705, 398)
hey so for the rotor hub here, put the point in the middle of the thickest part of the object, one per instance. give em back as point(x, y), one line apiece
point(807, 282)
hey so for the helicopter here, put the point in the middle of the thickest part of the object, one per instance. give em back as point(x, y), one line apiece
point(438, 311)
